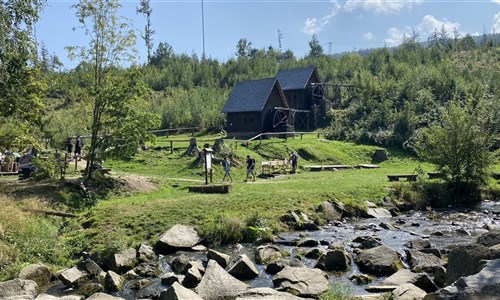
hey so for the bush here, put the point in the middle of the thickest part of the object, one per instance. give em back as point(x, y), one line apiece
point(337, 291)
point(223, 230)
point(258, 230)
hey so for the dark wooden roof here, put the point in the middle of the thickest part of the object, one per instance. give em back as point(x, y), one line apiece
point(252, 95)
point(294, 79)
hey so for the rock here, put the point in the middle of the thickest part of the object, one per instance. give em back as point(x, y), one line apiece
point(67, 297)
point(315, 253)
point(370, 204)
point(219, 284)
point(490, 238)
point(298, 221)
point(113, 282)
point(463, 231)
point(177, 238)
point(199, 248)
point(148, 269)
point(380, 288)
point(440, 277)
point(169, 278)
point(178, 292)
point(36, 272)
point(267, 253)
point(408, 291)
point(367, 242)
point(380, 260)
point(264, 293)
point(145, 253)
point(433, 251)
point(403, 276)
point(221, 258)
point(484, 285)
point(138, 284)
point(124, 261)
point(18, 289)
point(464, 260)
point(361, 278)
point(418, 244)
point(279, 265)
point(303, 282)
point(91, 268)
point(334, 260)
point(386, 225)
point(103, 296)
point(378, 213)
point(91, 288)
point(244, 268)
point(129, 275)
point(180, 264)
point(379, 296)
point(333, 210)
point(198, 264)
point(423, 262)
point(307, 242)
point(192, 278)
point(71, 277)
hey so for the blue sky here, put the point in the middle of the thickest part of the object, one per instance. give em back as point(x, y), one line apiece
point(345, 25)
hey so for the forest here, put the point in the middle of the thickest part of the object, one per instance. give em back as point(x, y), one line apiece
point(398, 91)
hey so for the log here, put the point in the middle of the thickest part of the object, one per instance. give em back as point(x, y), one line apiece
point(51, 213)
point(211, 189)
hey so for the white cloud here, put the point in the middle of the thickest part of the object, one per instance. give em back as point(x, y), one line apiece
point(395, 37)
point(496, 1)
point(368, 36)
point(475, 34)
point(430, 24)
point(496, 22)
point(381, 6)
point(313, 26)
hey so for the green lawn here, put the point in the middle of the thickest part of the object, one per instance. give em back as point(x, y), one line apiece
point(145, 216)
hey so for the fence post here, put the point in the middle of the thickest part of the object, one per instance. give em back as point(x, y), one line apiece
point(301, 136)
point(318, 135)
point(260, 138)
point(171, 147)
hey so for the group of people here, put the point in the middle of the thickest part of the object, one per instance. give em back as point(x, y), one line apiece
point(250, 164)
point(9, 161)
point(77, 145)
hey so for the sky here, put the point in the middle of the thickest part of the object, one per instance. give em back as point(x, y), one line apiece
point(339, 25)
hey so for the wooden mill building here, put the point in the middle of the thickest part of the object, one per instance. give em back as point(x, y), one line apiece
point(291, 101)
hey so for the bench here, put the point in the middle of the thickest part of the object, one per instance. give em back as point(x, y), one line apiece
point(273, 166)
point(409, 177)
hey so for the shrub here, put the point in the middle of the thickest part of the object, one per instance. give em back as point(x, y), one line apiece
point(337, 291)
point(258, 230)
point(223, 230)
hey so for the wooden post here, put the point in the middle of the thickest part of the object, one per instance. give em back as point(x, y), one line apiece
point(260, 138)
point(301, 136)
point(76, 163)
point(318, 135)
point(171, 147)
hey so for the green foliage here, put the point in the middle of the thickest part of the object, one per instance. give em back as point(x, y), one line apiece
point(223, 230)
point(337, 291)
point(259, 230)
point(46, 169)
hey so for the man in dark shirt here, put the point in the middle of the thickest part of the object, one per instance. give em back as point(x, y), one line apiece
point(250, 167)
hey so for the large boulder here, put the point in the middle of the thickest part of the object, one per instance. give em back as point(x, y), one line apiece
point(180, 264)
point(418, 244)
point(403, 276)
point(423, 262)
point(464, 260)
point(36, 272)
point(92, 268)
point(192, 278)
point(18, 289)
point(333, 211)
point(484, 285)
point(178, 292)
point(490, 238)
point(123, 261)
point(67, 297)
point(221, 258)
point(71, 277)
point(177, 238)
point(267, 253)
point(243, 268)
point(378, 212)
point(145, 253)
point(279, 265)
point(219, 284)
point(103, 296)
point(303, 282)
point(334, 260)
point(380, 260)
point(113, 282)
point(265, 293)
point(367, 242)
point(408, 291)
point(298, 221)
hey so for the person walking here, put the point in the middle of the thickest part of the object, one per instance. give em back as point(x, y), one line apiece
point(69, 145)
point(250, 167)
point(78, 148)
point(294, 159)
point(227, 168)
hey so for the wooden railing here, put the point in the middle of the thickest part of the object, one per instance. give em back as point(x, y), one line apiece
point(285, 135)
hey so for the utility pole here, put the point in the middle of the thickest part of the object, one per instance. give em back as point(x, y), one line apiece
point(203, 29)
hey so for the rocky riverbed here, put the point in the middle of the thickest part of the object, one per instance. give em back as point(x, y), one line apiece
point(452, 254)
